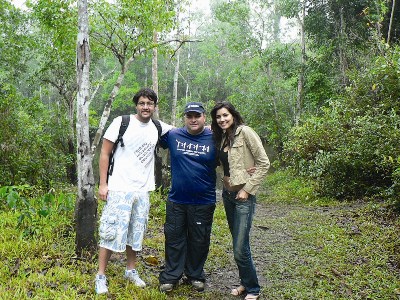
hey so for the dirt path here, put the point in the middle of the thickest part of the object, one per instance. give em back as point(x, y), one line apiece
point(288, 246)
point(221, 282)
point(272, 244)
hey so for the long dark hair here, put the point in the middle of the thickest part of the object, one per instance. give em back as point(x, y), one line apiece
point(217, 131)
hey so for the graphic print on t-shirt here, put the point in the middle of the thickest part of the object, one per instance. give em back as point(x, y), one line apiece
point(144, 153)
point(191, 148)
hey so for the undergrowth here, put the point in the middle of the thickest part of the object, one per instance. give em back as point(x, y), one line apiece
point(331, 250)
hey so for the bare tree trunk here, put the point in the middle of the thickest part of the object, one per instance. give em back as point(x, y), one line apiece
point(342, 56)
point(154, 71)
point(187, 92)
point(68, 97)
point(146, 73)
point(175, 88)
point(72, 172)
point(300, 83)
point(188, 65)
point(117, 86)
point(71, 167)
point(107, 107)
point(276, 24)
point(176, 71)
point(391, 21)
point(86, 204)
point(378, 38)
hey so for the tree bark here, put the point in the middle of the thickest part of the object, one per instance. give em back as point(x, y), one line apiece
point(175, 88)
point(342, 55)
point(86, 204)
point(71, 167)
point(154, 73)
point(391, 21)
point(107, 107)
point(154, 70)
point(300, 82)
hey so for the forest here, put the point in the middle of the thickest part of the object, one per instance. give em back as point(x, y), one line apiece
point(318, 80)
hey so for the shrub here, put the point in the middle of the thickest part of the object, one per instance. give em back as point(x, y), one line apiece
point(351, 150)
point(32, 211)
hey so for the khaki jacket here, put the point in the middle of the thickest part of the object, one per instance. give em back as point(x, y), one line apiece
point(247, 151)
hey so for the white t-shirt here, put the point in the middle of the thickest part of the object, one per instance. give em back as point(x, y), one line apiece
point(134, 163)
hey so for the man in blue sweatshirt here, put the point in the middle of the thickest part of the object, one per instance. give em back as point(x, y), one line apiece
point(191, 200)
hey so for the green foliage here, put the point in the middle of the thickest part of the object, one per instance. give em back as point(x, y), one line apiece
point(285, 186)
point(289, 8)
point(29, 150)
point(351, 150)
point(266, 101)
point(126, 28)
point(123, 103)
point(305, 250)
point(237, 14)
point(54, 46)
point(14, 41)
point(321, 84)
point(34, 213)
point(330, 15)
point(337, 252)
point(58, 19)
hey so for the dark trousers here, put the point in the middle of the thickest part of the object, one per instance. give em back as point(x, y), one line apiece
point(187, 232)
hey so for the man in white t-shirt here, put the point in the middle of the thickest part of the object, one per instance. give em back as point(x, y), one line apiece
point(125, 215)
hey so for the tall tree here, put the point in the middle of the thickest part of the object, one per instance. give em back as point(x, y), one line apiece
point(55, 27)
point(300, 82)
point(156, 115)
point(127, 30)
point(86, 204)
point(176, 71)
point(391, 21)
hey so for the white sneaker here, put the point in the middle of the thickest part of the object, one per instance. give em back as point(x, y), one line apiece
point(101, 284)
point(133, 276)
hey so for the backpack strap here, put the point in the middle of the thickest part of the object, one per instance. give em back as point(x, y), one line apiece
point(159, 129)
point(157, 157)
point(119, 140)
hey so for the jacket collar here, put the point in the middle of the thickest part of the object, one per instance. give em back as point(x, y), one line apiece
point(239, 129)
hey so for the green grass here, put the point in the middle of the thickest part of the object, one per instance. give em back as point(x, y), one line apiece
point(325, 260)
point(336, 250)
point(315, 249)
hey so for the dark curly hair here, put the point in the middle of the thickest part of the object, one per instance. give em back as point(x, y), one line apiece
point(147, 93)
point(217, 131)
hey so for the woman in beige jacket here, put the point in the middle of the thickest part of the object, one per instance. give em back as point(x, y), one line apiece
point(239, 149)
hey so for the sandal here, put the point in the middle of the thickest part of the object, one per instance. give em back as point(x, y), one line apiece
point(251, 297)
point(238, 291)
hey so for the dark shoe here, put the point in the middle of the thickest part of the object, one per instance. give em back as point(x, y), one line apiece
point(166, 287)
point(197, 285)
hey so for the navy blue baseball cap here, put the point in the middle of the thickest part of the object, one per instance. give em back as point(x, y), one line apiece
point(194, 107)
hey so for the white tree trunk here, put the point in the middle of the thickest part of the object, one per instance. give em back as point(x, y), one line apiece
point(154, 71)
point(300, 82)
point(175, 88)
point(391, 21)
point(107, 107)
point(188, 93)
point(86, 204)
point(342, 52)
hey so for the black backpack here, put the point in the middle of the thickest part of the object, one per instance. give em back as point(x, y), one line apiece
point(122, 129)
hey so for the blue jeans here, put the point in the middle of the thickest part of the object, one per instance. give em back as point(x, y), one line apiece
point(240, 216)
